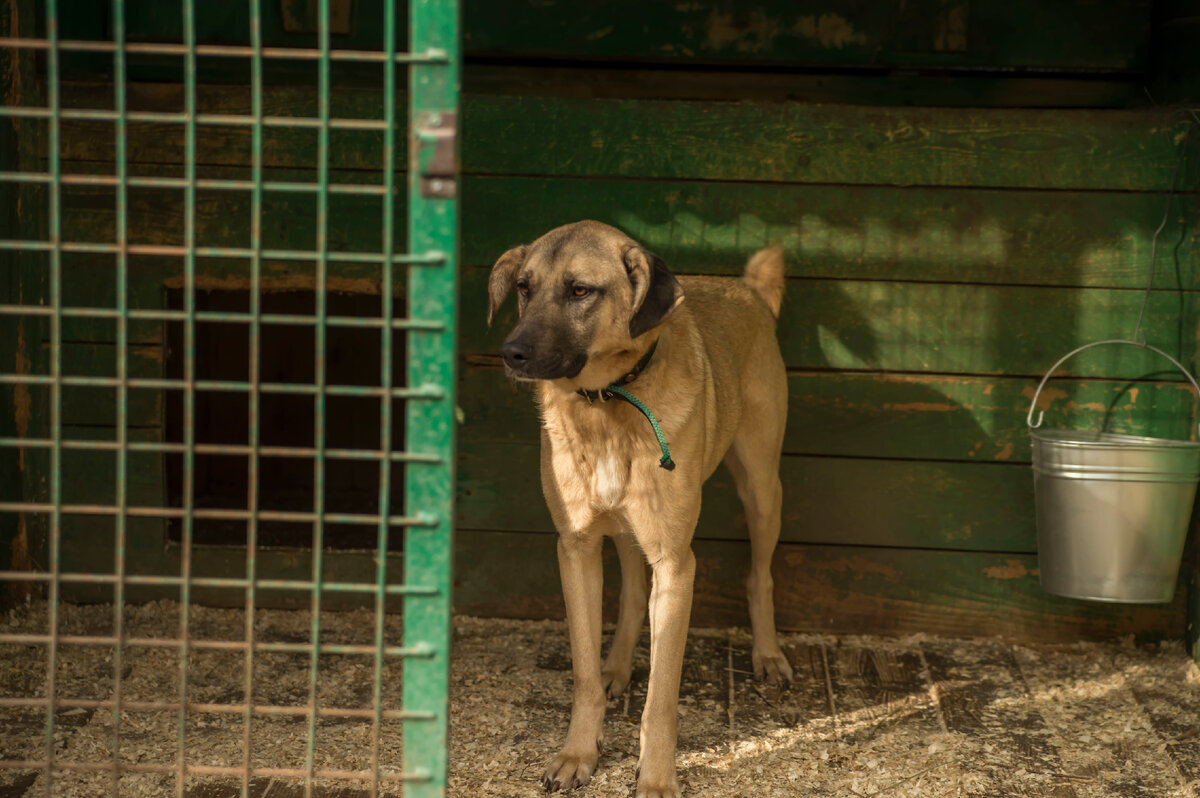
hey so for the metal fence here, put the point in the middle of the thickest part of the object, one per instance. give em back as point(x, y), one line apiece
point(121, 545)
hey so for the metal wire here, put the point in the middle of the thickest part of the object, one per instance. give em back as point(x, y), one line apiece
point(431, 258)
point(385, 379)
point(1139, 335)
point(322, 267)
point(55, 410)
point(253, 406)
point(425, 460)
point(431, 55)
point(122, 431)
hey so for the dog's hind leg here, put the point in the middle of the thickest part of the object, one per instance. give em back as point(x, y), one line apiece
point(754, 462)
point(619, 664)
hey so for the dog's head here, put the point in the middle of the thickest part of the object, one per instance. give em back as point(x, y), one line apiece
point(585, 292)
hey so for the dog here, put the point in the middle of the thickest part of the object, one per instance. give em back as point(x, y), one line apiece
point(645, 383)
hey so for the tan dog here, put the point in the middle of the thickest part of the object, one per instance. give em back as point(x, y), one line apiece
point(594, 308)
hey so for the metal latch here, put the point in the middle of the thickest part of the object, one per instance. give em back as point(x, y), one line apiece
point(434, 153)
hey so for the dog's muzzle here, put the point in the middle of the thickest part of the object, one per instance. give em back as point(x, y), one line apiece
point(524, 361)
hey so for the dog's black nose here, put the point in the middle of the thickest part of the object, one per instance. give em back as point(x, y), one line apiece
point(516, 353)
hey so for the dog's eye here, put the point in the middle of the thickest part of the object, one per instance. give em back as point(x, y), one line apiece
point(523, 288)
point(579, 291)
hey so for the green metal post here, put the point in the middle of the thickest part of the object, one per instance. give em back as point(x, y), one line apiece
point(433, 295)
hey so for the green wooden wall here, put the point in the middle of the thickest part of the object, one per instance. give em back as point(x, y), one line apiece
point(964, 193)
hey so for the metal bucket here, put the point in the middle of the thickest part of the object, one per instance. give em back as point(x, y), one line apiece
point(1112, 510)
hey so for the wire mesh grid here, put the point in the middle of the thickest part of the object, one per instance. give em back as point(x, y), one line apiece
point(78, 355)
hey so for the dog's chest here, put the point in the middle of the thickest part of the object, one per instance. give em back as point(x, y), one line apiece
point(595, 468)
point(609, 475)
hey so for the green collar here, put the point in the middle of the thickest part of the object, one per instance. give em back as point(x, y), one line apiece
point(614, 390)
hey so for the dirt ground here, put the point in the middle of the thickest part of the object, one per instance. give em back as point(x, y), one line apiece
point(917, 716)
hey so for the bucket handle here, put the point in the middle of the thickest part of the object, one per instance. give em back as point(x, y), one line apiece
point(1032, 405)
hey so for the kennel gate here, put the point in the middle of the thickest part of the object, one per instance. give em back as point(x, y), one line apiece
point(41, 510)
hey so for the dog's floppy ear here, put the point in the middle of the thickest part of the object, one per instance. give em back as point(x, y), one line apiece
point(656, 292)
point(504, 274)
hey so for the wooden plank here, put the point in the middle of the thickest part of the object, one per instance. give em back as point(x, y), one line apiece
point(856, 232)
point(982, 694)
point(983, 33)
point(912, 503)
point(162, 143)
point(1170, 708)
point(882, 700)
point(155, 217)
point(824, 589)
point(1098, 722)
point(22, 280)
point(1176, 35)
point(737, 84)
point(958, 235)
point(87, 546)
point(879, 680)
point(674, 140)
point(97, 406)
point(761, 709)
point(901, 416)
point(990, 33)
point(934, 328)
point(88, 476)
point(963, 329)
point(793, 143)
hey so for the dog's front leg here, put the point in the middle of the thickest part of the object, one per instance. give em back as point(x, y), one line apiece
point(670, 610)
point(581, 570)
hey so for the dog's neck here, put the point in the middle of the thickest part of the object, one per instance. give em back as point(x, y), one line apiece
point(624, 379)
point(616, 368)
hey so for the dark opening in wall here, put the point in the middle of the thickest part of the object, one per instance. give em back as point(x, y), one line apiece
point(287, 355)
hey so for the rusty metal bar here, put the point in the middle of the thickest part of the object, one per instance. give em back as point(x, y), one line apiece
point(169, 118)
point(211, 770)
point(322, 267)
point(226, 316)
point(189, 378)
point(231, 582)
point(254, 374)
point(55, 409)
point(387, 309)
point(294, 516)
point(222, 448)
point(431, 55)
point(424, 392)
point(211, 184)
point(122, 368)
point(430, 258)
point(263, 711)
point(215, 645)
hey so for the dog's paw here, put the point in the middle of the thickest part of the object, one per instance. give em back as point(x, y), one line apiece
point(772, 667)
point(570, 770)
point(615, 681)
point(665, 786)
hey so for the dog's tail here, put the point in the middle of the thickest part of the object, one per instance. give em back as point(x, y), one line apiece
point(764, 273)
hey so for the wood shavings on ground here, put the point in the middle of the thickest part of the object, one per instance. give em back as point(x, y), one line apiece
point(866, 716)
